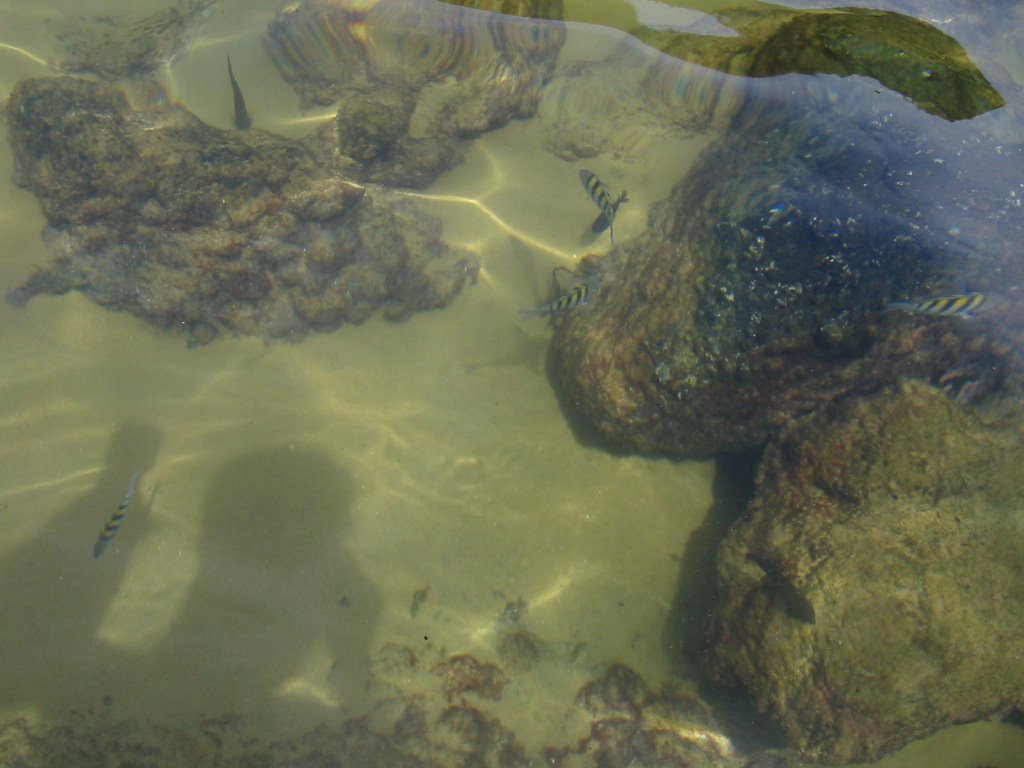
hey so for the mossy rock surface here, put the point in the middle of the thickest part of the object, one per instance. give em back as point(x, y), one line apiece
point(758, 291)
point(900, 520)
point(204, 231)
point(903, 53)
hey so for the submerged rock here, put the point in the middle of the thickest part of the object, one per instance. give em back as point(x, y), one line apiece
point(633, 725)
point(415, 726)
point(412, 77)
point(758, 292)
point(204, 230)
point(118, 45)
point(369, 140)
point(898, 519)
point(905, 54)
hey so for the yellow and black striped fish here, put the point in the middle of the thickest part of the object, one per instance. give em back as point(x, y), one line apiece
point(576, 296)
point(110, 529)
point(602, 198)
point(960, 305)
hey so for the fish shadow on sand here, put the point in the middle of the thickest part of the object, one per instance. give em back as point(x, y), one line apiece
point(279, 616)
point(56, 593)
point(272, 616)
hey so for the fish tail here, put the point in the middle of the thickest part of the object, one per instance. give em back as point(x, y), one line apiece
point(107, 534)
point(900, 306)
point(130, 493)
point(100, 546)
point(526, 314)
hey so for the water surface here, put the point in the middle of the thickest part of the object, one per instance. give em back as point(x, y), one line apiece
point(295, 497)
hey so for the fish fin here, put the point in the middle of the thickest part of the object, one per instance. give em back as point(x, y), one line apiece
point(560, 268)
point(600, 224)
point(571, 279)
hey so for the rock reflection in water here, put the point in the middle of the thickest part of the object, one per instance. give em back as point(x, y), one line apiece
point(410, 77)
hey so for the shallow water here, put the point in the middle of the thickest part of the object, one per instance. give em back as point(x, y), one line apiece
point(295, 498)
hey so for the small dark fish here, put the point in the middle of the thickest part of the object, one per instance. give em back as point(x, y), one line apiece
point(965, 305)
point(797, 605)
point(576, 296)
point(242, 120)
point(598, 192)
point(110, 529)
point(419, 597)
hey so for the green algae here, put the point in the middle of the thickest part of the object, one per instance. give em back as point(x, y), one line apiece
point(896, 517)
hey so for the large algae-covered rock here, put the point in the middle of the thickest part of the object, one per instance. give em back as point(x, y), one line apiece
point(903, 53)
point(874, 592)
point(206, 230)
point(758, 291)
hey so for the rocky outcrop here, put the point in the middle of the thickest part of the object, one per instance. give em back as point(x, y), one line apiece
point(416, 726)
point(202, 230)
point(873, 593)
point(905, 54)
point(758, 292)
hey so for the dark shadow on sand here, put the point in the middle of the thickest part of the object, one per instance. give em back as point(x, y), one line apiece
point(695, 597)
point(55, 593)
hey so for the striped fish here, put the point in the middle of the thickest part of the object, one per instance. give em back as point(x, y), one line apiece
point(576, 296)
point(110, 529)
point(964, 305)
point(598, 192)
